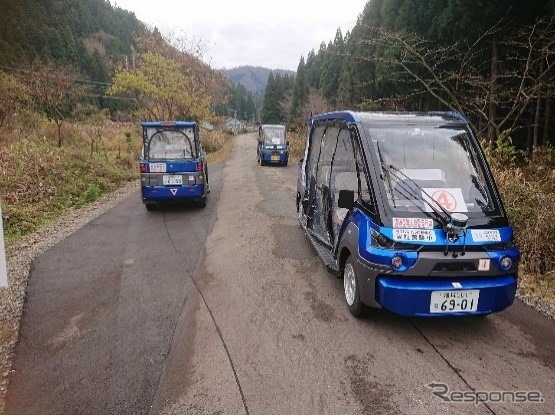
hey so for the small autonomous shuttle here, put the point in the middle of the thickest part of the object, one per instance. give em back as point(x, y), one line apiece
point(404, 207)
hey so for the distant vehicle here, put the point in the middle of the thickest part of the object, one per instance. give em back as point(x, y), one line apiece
point(173, 164)
point(404, 207)
point(273, 148)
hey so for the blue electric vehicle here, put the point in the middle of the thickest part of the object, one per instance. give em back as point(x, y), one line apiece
point(173, 165)
point(404, 207)
point(273, 147)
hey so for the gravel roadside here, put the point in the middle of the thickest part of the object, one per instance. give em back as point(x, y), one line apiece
point(18, 260)
point(20, 256)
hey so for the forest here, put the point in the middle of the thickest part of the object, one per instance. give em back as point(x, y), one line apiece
point(493, 61)
point(88, 44)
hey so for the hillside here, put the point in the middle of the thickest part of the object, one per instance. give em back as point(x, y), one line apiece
point(253, 78)
point(93, 38)
point(87, 34)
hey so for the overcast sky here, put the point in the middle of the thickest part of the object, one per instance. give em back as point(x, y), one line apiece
point(273, 34)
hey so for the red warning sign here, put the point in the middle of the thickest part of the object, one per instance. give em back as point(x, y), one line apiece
point(451, 199)
point(445, 199)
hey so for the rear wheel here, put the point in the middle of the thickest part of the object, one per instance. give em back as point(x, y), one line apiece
point(150, 206)
point(351, 288)
point(202, 203)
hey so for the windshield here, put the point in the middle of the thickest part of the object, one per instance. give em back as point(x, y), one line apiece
point(273, 136)
point(170, 144)
point(430, 164)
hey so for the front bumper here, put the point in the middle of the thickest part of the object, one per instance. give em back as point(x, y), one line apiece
point(410, 296)
point(274, 157)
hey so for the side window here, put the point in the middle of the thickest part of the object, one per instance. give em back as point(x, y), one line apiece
point(343, 177)
point(314, 155)
point(348, 168)
point(364, 188)
point(329, 142)
point(344, 166)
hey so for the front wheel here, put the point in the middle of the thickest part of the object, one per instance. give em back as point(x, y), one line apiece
point(351, 288)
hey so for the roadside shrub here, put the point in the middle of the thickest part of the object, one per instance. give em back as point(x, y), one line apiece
point(92, 193)
point(40, 182)
point(213, 141)
point(297, 142)
point(528, 194)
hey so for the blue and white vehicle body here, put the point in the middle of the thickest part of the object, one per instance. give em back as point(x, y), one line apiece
point(405, 208)
point(173, 165)
point(273, 147)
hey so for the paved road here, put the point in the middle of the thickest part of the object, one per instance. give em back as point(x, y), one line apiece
point(252, 324)
point(102, 308)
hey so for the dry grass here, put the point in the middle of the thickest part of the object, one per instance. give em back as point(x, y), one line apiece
point(217, 144)
point(528, 193)
point(297, 142)
point(40, 182)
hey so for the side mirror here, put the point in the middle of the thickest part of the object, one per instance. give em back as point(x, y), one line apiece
point(287, 143)
point(346, 199)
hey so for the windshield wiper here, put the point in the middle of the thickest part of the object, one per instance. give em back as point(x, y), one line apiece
point(387, 174)
point(453, 223)
point(439, 210)
point(480, 186)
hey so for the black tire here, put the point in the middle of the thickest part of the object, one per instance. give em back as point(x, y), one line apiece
point(201, 204)
point(351, 289)
point(150, 206)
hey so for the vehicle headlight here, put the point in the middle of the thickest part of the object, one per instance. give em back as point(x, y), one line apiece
point(381, 240)
point(506, 263)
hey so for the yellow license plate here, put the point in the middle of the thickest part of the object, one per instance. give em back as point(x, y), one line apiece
point(275, 158)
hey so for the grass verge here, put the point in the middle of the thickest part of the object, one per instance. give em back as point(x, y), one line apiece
point(40, 182)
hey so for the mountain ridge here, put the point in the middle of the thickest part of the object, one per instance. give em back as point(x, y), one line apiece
point(253, 78)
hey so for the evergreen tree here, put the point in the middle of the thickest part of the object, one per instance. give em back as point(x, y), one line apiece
point(363, 67)
point(345, 93)
point(300, 95)
point(97, 71)
point(278, 92)
point(71, 56)
point(251, 108)
point(332, 68)
point(270, 106)
point(389, 11)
